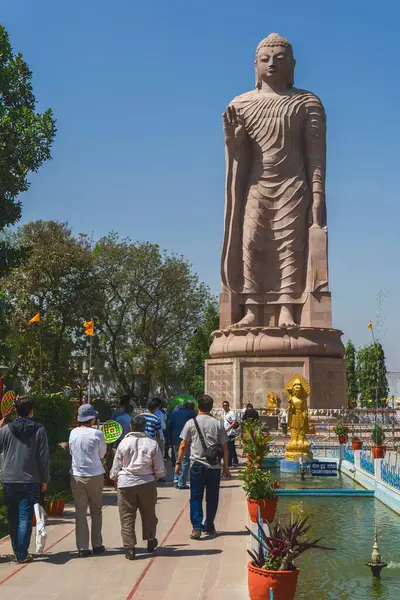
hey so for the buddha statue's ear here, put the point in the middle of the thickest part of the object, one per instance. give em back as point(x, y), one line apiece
point(258, 80)
point(291, 74)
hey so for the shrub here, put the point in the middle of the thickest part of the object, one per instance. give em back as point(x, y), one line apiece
point(60, 463)
point(255, 441)
point(378, 435)
point(55, 412)
point(257, 484)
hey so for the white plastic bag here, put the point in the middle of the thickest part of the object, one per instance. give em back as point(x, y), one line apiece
point(41, 534)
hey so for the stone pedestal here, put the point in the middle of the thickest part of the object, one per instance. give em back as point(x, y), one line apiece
point(248, 364)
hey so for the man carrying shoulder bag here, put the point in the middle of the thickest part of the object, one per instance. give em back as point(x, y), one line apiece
point(208, 445)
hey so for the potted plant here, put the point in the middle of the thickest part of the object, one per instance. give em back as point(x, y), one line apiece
point(255, 442)
point(342, 431)
point(260, 488)
point(54, 504)
point(378, 437)
point(272, 567)
point(356, 443)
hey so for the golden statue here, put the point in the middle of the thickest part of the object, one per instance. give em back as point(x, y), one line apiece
point(272, 401)
point(298, 390)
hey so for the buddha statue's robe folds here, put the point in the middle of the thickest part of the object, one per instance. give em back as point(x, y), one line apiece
point(269, 187)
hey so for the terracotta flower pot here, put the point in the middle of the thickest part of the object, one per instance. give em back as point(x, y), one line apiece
point(357, 444)
point(267, 509)
point(378, 451)
point(54, 508)
point(260, 581)
point(342, 439)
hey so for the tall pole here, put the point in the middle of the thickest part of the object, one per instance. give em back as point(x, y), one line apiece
point(40, 358)
point(90, 368)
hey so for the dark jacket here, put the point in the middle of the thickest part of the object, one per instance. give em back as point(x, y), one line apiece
point(250, 413)
point(176, 422)
point(24, 452)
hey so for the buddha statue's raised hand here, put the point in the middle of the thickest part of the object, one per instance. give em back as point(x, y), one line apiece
point(233, 128)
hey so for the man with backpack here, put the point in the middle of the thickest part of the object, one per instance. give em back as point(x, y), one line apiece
point(208, 446)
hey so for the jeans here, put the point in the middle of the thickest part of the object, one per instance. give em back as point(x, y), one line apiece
point(20, 499)
point(181, 479)
point(203, 478)
point(232, 455)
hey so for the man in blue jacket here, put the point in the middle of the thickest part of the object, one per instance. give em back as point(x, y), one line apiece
point(25, 459)
point(176, 422)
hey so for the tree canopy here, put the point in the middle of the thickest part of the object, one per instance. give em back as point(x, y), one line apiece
point(26, 137)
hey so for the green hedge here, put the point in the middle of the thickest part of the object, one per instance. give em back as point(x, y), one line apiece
point(60, 464)
point(55, 412)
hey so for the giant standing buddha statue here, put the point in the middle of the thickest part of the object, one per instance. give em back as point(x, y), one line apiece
point(275, 304)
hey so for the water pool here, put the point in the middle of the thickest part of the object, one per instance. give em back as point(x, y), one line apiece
point(346, 524)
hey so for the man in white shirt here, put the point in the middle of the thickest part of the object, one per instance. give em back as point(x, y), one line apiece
point(87, 447)
point(138, 463)
point(231, 425)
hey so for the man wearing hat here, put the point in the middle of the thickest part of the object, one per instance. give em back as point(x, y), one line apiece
point(87, 447)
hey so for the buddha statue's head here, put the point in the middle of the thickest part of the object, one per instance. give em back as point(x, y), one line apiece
point(297, 388)
point(274, 62)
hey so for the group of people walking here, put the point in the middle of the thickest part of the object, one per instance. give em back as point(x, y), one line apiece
point(200, 443)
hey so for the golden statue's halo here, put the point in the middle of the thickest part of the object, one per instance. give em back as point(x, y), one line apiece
point(304, 384)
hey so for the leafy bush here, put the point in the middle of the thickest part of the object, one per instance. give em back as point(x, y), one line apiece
point(255, 441)
point(341, 429)
point(60, 463)
point(3, 513)
point(55, 412)
point(378, 435)
point(257, 484)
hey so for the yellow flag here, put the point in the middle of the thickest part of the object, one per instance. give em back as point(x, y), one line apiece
point(370, 325)
point(35, 319)
point(89, 327)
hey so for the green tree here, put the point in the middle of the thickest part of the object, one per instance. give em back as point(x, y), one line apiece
point(26, 137)
point(152, 302)
point(372, 375)
point(351, 377)
point(57, 280)
point(197, 350)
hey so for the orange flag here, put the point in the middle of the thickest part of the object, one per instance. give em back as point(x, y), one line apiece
point(35, 319)
point(89, 327)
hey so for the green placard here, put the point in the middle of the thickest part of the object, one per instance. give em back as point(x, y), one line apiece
point(112, 431)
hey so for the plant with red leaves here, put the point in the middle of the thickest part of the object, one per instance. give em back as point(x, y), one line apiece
point(278, 549)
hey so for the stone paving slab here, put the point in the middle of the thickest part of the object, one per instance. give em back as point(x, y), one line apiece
point(181, 568)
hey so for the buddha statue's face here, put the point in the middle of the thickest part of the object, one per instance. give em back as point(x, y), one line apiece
point(274, 65)
point(296, 388)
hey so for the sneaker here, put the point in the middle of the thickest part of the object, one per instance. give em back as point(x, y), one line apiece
point(183, 487)
point(211, 535)
point(196, 534)
point(162, 480)
point(84, 553)
point(130, 554)
point(99, 550)
point(152, 545)
point(28, 559)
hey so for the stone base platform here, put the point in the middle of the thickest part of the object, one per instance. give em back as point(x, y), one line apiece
point(275, 341)
point(250, 379)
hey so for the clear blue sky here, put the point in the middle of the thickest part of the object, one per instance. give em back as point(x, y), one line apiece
point(138, 89)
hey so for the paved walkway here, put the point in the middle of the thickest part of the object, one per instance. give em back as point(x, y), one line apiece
point(181, 568)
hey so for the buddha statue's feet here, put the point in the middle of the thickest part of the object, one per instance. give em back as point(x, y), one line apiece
point(249, 320)
point(286, 319)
